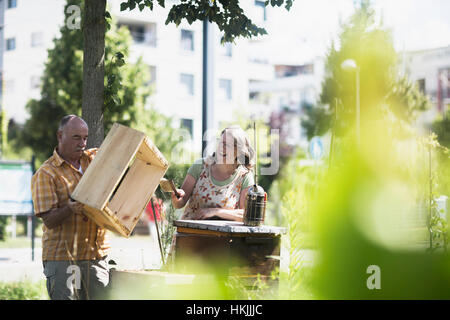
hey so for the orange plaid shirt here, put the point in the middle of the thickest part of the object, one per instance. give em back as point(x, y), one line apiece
point(77, 238)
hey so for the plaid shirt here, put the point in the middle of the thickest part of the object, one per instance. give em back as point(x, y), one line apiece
point(77, 238)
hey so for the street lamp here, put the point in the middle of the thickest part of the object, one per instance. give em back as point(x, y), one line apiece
point(350, 65)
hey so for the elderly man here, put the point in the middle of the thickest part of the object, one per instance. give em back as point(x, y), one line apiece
point(74, 248)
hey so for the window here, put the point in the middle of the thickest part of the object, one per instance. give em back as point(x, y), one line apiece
point(37, 39)
point(226, 49)
point(137, 31)
point(142, 33)
point(444, 83)
point(152, 70)
point(225, 89)
point(12, 4)
point(10, 44)
point(421, 85)
point(10, 86)
point(261, 6)
point(150, 35)
point(187, 40)
point(187, 124)
point(187, 84)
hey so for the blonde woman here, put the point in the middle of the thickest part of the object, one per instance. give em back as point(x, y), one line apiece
point(215, 187)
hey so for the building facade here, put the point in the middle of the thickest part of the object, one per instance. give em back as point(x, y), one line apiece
point(173, 55)
point(431, 70)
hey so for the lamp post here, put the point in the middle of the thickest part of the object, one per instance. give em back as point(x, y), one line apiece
point(350, 65)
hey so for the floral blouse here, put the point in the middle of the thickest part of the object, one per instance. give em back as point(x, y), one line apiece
point(206, 194)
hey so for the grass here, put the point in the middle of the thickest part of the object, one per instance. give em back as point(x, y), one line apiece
point(24, 290)
point(19, 242)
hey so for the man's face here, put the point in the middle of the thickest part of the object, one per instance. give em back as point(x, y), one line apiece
point(72, 139)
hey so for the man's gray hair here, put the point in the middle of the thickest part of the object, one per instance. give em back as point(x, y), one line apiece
point(66, 120)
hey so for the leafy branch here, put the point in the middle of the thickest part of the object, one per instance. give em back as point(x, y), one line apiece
point(227, 14)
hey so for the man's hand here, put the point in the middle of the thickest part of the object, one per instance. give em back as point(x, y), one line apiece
point(75, 206)
point(55, 217)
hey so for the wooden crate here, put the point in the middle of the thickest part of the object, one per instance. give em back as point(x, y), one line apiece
point(118, 184)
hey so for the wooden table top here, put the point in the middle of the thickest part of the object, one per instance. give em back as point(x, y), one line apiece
point(229, 227)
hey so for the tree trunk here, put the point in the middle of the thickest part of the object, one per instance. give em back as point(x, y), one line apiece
point(94, 69)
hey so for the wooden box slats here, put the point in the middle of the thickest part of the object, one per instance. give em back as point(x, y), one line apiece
point(119, 182)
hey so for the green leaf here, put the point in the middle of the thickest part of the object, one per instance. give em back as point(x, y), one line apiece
point(111, 79)
point(161, 3)
point(288, 4)
point(123, 6)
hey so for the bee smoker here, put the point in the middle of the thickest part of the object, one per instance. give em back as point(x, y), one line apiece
point(255, 206)
point(255, 202)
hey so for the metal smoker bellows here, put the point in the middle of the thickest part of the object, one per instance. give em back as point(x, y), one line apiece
point(255, 202)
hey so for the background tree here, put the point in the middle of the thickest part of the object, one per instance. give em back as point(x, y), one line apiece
point(383, 90)
point(316, 120)
point(441, 126)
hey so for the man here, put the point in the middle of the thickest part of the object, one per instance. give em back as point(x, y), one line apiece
point(74, 248)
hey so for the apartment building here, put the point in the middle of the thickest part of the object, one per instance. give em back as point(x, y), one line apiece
point(292, 87)
point(29, 28)
point(430, 68)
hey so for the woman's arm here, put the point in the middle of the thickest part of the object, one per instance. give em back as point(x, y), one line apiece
point(185, 192)
point(226, 214)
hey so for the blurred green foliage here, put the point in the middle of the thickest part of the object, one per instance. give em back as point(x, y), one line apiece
point(317, 120)
point(375, 204)
point(4, 221)
point(363, 219)
point(24, 290)
point(441, 126)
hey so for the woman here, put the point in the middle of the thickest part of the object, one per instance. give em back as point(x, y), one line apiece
point(215, 187)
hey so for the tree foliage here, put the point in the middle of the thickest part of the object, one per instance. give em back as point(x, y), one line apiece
point(317, 120)
point(226, 14)
point(441, 126)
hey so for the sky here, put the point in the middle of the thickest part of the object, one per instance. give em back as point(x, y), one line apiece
point(309, 27)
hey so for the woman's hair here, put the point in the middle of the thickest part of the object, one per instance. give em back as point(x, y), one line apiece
point(245, 152)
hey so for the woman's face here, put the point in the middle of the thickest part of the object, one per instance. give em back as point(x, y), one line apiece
point(226, 150)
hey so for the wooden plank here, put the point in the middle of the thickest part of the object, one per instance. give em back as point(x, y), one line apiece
point(116, 225)
point(202, 232)
point(132, 196)
point(228, 227)
point(110, 163)
point(96, 215)
point(150, 153)
point(105, 220)
point(221, 233)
